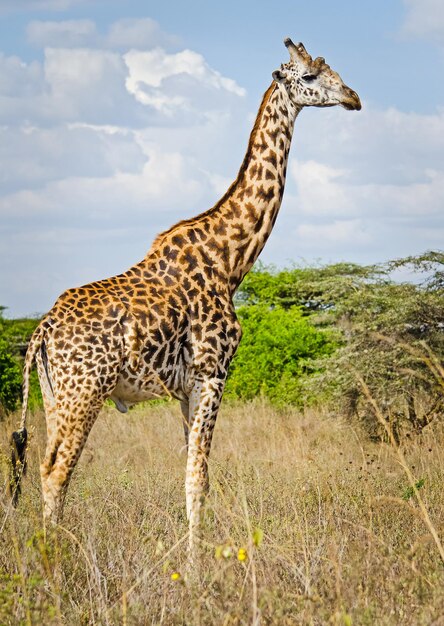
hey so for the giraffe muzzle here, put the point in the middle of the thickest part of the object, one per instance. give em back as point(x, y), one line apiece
point(351, 100)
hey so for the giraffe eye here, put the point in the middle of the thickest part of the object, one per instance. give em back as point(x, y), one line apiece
point(309, 78)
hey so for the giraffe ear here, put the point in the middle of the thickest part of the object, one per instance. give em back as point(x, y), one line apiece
point(279, 76)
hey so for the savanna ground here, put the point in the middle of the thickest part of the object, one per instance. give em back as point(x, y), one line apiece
point(307, 523)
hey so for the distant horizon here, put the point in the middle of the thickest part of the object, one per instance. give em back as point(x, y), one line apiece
point(119, 119)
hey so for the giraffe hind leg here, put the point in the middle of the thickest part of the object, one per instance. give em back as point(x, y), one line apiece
point(75, 383)
point(62, 453)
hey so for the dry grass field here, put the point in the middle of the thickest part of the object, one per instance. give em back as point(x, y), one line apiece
point(307, 523)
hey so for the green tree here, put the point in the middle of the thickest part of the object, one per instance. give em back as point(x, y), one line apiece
point(387, 331)
point(315, 289)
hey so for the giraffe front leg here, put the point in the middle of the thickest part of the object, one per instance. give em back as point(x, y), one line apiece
point(204, 405)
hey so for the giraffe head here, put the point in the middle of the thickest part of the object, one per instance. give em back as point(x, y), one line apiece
point(312, 82)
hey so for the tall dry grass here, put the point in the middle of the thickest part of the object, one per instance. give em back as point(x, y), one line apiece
point(329, 524)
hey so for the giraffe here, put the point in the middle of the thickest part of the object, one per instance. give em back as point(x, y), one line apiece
point(168, 324)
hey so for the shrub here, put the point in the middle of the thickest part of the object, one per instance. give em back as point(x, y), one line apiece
point(14, 336)
point(10, 379)
point(278, 347)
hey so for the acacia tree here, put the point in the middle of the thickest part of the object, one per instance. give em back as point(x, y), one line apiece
point(388, 332)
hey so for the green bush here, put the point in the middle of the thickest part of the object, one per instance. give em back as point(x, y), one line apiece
point(278, 347)
point(10, 379)
point(14, 335)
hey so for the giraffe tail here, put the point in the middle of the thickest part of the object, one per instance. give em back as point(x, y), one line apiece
point(19, 437)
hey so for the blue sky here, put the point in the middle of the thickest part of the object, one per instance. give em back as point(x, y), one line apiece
point(119, 118)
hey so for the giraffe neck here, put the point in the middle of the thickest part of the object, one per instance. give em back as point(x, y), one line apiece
point(226, 240)
point(250, 207)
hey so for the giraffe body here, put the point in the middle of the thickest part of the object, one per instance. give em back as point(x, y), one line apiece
point(167, 326)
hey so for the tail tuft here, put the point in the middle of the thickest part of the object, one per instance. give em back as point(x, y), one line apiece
point(19, 440)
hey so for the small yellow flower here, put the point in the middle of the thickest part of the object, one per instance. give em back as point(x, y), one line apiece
point(175, 576)
point(242, 554)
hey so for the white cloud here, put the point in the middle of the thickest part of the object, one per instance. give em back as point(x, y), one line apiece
point(124, 34)
point(383, 145)
point(87, 85)
point(70, 85)
point(76, 150)
point(154, 66)
point(424, 19)
point(77, 229)
point(365, 187)
point(105, 87)
point(64, 34)
point(321, 189)
point(321, 193)
point(166, 182)
point(91, 171)
point(18, 79)
point(149, 71)
point(139, 34)
point(337, 232)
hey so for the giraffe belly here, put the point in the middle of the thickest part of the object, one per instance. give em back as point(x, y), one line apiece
point(133, 389)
